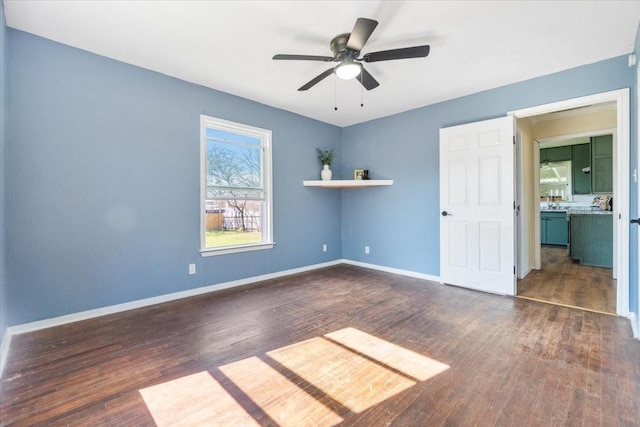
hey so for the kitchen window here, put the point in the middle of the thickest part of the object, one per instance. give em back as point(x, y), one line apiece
point(236, 188)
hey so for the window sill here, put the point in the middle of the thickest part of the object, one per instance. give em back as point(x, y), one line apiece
point(236, 249)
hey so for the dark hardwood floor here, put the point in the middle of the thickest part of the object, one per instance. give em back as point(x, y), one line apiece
point(565, 281)
point(342, 345)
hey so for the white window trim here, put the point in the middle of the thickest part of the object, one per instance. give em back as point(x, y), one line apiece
point(265, 136)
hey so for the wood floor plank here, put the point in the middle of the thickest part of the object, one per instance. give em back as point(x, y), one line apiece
point(510, 361)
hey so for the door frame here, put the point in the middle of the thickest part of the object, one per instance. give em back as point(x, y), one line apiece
point(621, 183)
point(636, 329)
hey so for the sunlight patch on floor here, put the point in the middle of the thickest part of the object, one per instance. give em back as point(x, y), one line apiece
point(282, 400)
point(345, 376)
point(406, 361)
point(194, 400)
point(353, 369)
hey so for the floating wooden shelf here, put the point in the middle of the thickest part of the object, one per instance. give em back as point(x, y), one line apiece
point(348, 183)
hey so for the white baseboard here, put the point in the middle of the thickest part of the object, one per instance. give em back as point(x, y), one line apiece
point(635, 325)
point(394, 270)
point(103, 311)
point(4, 350)
point(525, 273)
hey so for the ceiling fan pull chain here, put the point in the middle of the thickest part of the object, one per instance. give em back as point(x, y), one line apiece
point(361, 91)
point(335, 93)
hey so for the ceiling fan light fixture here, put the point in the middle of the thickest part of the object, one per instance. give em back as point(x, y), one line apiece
point(348, 70)
point(345, 49)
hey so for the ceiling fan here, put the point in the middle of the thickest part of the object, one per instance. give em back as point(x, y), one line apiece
point(346, 48)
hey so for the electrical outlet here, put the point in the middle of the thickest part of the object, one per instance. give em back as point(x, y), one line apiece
point(366, 249)
point(192, 269)
point(324, 247)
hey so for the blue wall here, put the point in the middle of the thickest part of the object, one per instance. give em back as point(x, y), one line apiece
point(103, 195)
point(3, 127)
point(401, 223)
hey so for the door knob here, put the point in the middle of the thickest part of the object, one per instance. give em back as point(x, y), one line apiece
point(445, 213)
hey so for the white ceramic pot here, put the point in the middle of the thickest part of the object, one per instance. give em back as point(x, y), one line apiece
point(326, 173)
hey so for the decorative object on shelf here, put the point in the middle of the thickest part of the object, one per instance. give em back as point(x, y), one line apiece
point(326, 159)
point(358, 174)
point(365, 174)
point(326, 173)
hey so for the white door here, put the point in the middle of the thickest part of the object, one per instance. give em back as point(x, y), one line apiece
point(477, 199)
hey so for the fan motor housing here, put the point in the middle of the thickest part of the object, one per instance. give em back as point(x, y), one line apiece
point(339, 47)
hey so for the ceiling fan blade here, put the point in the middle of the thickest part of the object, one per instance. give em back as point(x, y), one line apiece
point(404, 53)
point(367, 80)
point(316, 79)
point(304, 58)
point(361, 33)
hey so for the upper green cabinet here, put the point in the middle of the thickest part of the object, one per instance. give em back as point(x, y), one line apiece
point(591, 164)
point(602, 164)
point(580, 159)
point(555, 154)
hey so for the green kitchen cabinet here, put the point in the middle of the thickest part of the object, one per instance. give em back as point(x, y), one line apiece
point(602, 164)
point(580, 159)
point(555, 154)
point(592, 239)
point(554, 228)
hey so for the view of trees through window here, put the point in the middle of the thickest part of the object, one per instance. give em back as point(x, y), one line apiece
point(234, 189)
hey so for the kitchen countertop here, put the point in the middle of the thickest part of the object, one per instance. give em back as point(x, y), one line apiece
point(579, 210)
point(588, 212)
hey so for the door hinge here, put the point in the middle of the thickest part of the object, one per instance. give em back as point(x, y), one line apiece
point(514, 269)
point(514, 140)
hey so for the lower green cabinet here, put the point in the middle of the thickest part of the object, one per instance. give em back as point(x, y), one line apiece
point(592, 239)
point(554, 228)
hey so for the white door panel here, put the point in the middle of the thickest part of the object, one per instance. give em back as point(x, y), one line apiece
point(477, 193)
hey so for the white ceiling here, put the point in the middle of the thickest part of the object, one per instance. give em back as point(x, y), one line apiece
point(228, 45)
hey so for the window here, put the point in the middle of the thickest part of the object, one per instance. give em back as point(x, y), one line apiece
point(236, 200)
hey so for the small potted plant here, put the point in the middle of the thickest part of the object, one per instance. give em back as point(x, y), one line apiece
point(326, 159)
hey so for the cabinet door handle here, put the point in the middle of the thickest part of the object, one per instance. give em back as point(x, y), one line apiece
point(635, 221)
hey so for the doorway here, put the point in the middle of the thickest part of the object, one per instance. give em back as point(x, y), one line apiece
point(544, 265)
point(576, 244)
